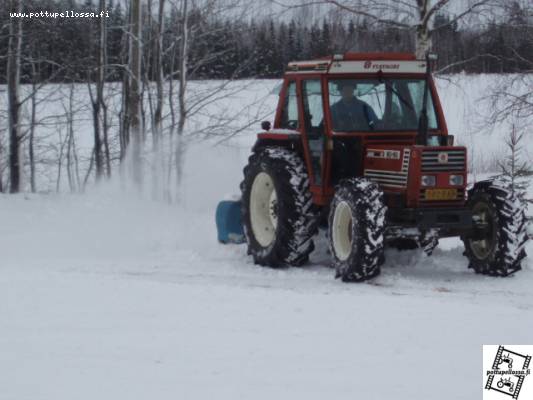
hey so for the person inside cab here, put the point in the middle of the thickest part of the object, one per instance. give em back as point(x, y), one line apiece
point(349, 113)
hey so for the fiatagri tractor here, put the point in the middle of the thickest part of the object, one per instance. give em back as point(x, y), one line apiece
point(360, 146)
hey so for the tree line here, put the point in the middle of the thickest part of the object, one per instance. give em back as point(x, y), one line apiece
point(130, 74)
point(64, 49)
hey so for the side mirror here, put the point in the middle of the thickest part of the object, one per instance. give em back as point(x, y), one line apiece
point(265, 125)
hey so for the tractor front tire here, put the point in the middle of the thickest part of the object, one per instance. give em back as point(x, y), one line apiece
point(356, 229)
point(278, 215)
point(495, 246)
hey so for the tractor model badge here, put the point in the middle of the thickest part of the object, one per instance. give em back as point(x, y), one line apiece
point(443, 158)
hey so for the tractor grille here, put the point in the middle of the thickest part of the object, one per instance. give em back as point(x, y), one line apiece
point(434, 161)
point(387, 178)
point(394, 179)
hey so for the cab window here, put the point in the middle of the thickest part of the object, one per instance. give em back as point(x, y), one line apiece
point(314, 127)
point(289, 115)
point(378, 105)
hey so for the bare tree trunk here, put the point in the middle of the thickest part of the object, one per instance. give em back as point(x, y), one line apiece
point(98, 102)
point(13, 80)
point(135, 88)
point(158, 73)
point(102, 63)
point(423, 42)
point(97, 137)
point(32, 128)
point(88, 173)
point(124, 115)
point(172, 128)
point(70, 140)
point(422, 38)
point(105, 129)
point(158, 159)
point(62, 144)
point(182, 117)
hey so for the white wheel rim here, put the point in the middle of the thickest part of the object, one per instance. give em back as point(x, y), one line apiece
point(342, 231)
point(263, 209)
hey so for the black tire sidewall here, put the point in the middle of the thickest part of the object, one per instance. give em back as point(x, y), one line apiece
point(278, 253)
point(484, 265)
point(360, 264)
point(344, 195)
point(254, 170)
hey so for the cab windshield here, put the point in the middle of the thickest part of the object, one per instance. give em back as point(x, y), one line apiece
point(370, 105)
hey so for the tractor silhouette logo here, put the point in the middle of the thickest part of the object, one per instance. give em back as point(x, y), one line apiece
point(506, 359)
point(508, 372)
point(506, 382)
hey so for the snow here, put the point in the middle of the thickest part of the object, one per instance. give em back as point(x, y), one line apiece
point(105, 296)
point(108, 296)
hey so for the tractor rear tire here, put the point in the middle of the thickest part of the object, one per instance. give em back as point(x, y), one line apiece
point(356, 229)
point(278, 215)
point(496, 247)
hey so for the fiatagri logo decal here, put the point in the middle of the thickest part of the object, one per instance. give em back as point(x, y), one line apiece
point(378, 66)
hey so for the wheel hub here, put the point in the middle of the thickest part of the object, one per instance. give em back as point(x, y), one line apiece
point(342, 231)
point(264, 209)
point(483, 244)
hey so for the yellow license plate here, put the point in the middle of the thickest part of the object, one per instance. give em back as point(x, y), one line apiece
point(441, 194)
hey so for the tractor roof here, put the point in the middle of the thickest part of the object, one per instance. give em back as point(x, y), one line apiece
point(403, 63)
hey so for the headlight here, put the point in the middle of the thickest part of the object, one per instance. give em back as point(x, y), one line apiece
point(428, 180)
point(456, 180)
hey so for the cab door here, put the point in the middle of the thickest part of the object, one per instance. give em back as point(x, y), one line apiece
point(288, 117)
point(314, 130)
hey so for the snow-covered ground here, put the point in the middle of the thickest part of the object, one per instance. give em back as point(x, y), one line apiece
point(107, 296)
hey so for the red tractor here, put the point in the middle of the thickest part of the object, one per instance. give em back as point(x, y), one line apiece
point(360, 145)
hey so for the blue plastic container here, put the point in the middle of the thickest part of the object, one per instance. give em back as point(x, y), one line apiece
point(229, 224)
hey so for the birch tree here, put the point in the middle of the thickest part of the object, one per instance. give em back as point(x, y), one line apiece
point(134, 95)
point(102, 160)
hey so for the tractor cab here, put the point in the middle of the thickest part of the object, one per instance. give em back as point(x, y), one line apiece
point(373, 115)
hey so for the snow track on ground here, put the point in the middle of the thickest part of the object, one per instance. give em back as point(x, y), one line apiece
point(109, 297)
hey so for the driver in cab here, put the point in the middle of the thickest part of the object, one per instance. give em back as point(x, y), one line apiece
point(351, 114)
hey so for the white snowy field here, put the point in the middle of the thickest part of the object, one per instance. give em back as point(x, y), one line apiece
point(107, 296)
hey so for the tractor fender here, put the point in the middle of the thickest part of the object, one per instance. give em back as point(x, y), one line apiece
point(290, 141)
point(482, 184)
